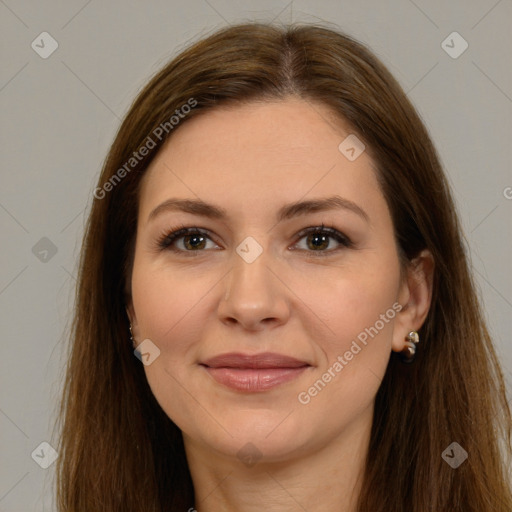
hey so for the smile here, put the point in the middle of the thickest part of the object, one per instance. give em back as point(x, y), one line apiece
point(254, 373)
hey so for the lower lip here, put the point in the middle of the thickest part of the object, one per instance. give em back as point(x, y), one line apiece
point(254, 379)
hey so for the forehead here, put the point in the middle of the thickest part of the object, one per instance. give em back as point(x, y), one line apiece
point(262, 151)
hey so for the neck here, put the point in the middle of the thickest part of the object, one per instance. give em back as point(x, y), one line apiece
point(326, 477)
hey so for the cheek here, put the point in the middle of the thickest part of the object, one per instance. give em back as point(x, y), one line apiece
point(348, 304)
point(363, 313)
point(171, 309)
point(165, 299)
point(356, 323)
point(333, 306)
point(334, 312)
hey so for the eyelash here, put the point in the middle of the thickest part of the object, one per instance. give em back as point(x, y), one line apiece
point(167, 239)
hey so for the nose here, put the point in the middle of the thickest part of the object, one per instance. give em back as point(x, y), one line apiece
point(255, 297)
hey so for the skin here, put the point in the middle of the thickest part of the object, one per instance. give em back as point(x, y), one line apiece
point(251, 160)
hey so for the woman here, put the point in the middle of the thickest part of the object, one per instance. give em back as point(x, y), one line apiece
point(274, 239)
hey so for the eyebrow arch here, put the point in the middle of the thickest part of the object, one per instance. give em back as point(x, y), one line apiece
point(199, 207)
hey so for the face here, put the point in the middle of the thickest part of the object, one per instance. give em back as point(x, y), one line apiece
point(255, 277)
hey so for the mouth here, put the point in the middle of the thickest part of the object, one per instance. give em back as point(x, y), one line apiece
point(254, 373)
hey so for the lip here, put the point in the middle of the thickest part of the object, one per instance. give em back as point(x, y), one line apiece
point(253, 373)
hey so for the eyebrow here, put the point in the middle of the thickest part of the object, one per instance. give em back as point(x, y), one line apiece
point(286, 212)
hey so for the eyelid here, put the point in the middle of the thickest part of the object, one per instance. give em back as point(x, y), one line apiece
point(167, 239)
point(332, 232)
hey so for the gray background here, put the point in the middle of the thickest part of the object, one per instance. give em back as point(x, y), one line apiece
point(60, 115)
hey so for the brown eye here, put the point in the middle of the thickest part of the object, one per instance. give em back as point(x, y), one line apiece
point(191, 239)
point(194, 242)
point(318, 240)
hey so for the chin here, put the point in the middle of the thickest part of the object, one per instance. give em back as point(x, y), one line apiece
point(253, 435)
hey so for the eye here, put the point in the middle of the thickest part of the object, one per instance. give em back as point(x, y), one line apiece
point(193, 240)
point(318, 240)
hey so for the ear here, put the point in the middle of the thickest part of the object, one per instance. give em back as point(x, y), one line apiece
point(415, 296)
point(132, 317)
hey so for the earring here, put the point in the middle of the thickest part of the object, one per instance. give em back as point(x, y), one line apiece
point(409, 352)
point(131, 333)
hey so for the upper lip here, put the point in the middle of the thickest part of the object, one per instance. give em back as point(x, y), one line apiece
point(263, 360)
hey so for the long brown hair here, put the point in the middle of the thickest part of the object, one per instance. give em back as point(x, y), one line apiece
point(120, 452)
